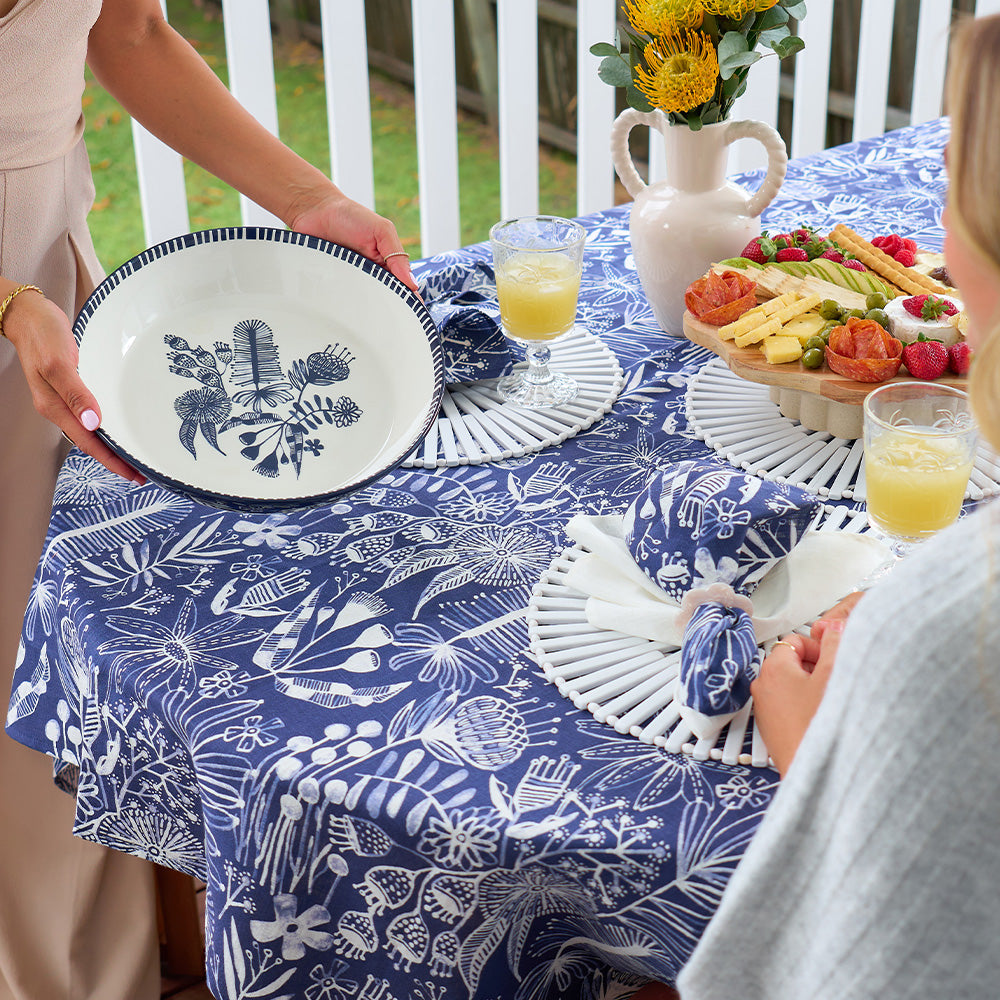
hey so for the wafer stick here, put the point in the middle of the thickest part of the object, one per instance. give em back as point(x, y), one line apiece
point(882, 264)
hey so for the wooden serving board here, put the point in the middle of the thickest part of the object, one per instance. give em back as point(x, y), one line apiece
point(749, 363)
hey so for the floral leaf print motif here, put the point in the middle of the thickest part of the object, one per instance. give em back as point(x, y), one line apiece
point(244, 388)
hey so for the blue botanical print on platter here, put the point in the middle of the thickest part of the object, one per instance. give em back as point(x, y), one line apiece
point(244, 386)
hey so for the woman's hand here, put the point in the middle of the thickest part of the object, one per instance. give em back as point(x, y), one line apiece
point(43, 338)
point(790, 686)
point(339, 219)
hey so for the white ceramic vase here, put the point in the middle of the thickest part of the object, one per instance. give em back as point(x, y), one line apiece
point(681, 225)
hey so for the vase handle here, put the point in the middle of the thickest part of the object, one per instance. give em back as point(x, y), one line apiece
point(777, 160)
point(620, 153)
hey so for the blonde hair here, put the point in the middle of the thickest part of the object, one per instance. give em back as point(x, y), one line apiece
point(973, 172)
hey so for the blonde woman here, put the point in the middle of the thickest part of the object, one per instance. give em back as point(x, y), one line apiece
point(77, 921)
point(874, 873)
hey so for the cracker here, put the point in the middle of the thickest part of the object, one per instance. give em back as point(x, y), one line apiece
point(882, 264)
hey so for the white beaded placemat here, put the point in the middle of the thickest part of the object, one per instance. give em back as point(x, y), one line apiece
point(629, 683)
point(475, 425)
point(739, 420)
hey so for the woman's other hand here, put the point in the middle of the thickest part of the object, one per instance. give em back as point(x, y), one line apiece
point(839, 612)
point(339, 219)
point(43, 338)
point(790, 686)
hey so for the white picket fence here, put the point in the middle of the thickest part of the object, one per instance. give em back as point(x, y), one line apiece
point(249, 51)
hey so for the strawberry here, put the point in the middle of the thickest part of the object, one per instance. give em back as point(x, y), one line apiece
point(959, 356)
point(791, 253)
point(926, 359)
point(854, 265)
point(760, 249)
point(906, 257)
point(802, 235)
point(832, 254)
point(929, 307)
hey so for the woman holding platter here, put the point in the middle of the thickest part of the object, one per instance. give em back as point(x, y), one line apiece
point(78, 920)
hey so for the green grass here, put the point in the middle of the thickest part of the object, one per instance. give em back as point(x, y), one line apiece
point(116, 221)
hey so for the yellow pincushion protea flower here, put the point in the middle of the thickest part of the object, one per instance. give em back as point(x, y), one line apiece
point(736, 10)
point(664, 17)
point(683, 70)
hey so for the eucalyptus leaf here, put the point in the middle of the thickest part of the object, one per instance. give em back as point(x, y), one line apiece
point(732, 43)
point(729, 65)
point(770, 38)
point(771, 18)
point(694, 121)
point(614, 71)
point(604, 49)
point(789, 46)
point(795, 8)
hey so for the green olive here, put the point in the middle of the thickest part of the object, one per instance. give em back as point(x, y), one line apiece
point(860, 313)
point(879, 315)
point(813, 358)
point(812, 342)
point(829, 309)
point(875, 300)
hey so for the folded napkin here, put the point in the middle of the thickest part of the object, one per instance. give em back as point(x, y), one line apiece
point(463, 305)
point(715, 562)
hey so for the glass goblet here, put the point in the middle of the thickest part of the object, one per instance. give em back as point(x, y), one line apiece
point(919, 446)
point(538, 261)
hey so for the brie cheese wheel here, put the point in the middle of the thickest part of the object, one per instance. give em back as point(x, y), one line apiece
point(906, 327)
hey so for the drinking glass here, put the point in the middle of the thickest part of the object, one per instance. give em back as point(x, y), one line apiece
point(537, 261)
point(920, 444)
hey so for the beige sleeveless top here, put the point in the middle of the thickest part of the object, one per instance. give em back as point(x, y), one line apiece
point(45, 185)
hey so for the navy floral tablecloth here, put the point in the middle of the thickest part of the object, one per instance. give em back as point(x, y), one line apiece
point(331, 716)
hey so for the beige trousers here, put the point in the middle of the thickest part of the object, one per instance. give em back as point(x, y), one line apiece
point(77, 921)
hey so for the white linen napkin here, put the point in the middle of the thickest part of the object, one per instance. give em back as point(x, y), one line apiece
point(821, 569)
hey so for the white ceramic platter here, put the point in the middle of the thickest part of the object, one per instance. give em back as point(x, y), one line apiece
point(259, 369)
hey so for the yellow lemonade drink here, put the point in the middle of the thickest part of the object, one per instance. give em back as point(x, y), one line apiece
point(537, 293)
point(916, 481)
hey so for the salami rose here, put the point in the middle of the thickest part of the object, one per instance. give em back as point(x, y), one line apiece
point(862, 350)
point(718, 299)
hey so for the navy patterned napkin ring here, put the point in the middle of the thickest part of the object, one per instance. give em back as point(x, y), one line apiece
point(720, 656)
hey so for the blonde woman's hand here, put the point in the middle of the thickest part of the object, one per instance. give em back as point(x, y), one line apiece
point(790, 686)
point(337, 218)
point(43, 338)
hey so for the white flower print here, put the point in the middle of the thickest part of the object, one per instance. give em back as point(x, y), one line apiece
point(296, 930)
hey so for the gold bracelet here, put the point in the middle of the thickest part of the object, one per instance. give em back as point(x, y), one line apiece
point(10, 298)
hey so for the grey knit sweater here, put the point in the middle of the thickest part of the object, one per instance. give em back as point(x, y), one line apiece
point(876, 872)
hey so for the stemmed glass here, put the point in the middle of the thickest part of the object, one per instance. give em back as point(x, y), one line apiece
point(920, 445)
point(537, 260)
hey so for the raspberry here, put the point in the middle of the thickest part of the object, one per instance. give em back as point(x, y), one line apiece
point(893, 244)
point(910, 245)
point(959, 356)
point(926, 359)
point(854, 265)
point(791, 253)
point(906, 257)
point(879, 242)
